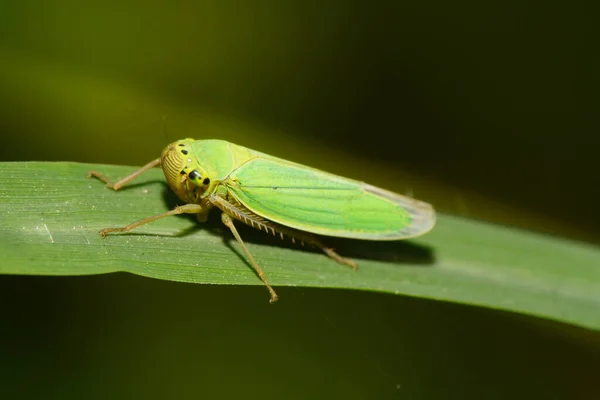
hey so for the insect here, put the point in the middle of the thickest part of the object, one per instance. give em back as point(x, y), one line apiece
point(279, 197)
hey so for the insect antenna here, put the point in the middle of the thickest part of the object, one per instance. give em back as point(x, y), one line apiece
point(164, 120)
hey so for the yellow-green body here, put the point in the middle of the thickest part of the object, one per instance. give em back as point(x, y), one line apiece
point(280, 197)
point(294, 195)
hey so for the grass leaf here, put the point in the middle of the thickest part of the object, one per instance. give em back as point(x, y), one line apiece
point(51, 214)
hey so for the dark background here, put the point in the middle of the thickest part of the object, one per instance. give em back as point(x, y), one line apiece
point(486, 110)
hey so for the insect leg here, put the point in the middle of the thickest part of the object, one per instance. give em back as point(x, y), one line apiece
point(229, 223)
point(332, 254)
point(186, 209)
point(127, 179)
point(246, 216)
point(203, 215)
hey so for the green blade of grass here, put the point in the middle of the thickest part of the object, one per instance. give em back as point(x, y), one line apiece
point(51, 215)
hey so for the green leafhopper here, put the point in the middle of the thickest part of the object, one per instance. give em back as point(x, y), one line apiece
point(279, 197)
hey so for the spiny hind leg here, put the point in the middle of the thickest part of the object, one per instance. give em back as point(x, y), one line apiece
point(311, 239)
point(228, 221)
point(332, 254)
point(246, 216)
point(305, 237)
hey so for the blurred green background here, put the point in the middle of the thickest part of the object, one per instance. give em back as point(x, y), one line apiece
point(486, 110)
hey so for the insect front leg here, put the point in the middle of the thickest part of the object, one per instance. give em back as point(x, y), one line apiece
point(228, 221)
point(119, 184)
point(202, 216)
point(186, 209)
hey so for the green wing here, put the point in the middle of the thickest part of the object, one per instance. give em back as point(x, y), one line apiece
point(310, 200)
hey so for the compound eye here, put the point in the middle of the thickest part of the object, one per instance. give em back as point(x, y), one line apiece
point(195, 175)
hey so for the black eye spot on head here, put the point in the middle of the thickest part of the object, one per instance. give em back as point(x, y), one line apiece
point(206, 181)
point(184, 151)
point(181, 144)
point(194, 175)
